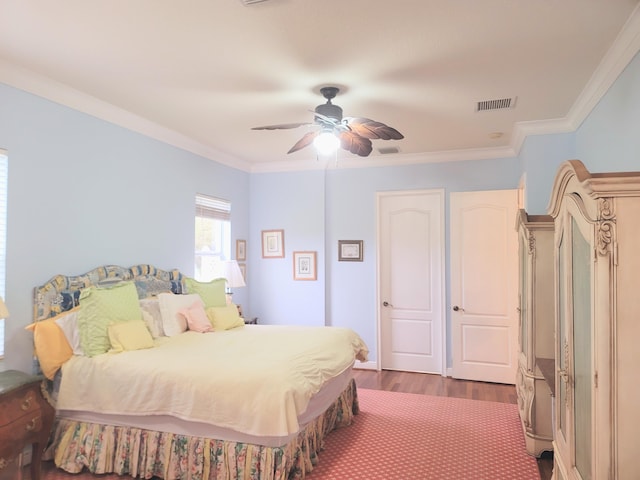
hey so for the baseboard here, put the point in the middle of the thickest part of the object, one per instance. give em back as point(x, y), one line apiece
point(365, 366)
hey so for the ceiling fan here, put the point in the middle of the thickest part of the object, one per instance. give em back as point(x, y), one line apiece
point(351, 133)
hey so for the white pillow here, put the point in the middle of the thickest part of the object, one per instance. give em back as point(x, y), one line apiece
point(152, 317)
point(68, 323)
point(172, 322)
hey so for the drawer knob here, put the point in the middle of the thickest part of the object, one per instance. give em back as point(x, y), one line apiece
point(31, 426)
point(26, 404)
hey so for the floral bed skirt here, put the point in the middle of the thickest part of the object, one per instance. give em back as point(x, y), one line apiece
point(146, 454)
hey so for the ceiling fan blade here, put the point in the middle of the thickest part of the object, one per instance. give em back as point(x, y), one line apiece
point(368, 128)
point(354, 143)
point(305, 141)
point(329, 120)
point(282, 126)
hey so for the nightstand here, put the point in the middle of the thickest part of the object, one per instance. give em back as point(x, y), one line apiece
point(25, 419)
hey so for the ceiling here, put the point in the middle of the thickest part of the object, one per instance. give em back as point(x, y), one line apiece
point(200, 74)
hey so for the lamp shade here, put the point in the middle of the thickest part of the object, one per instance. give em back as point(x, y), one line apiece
point(231, 272)
point(4, 312)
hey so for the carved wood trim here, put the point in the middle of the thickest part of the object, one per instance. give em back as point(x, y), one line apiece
point(605, 225)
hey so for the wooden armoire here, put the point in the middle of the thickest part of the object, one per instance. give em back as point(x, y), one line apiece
point(535, 338)
point(597, 292)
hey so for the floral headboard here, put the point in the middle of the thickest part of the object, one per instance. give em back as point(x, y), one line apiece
point(62, 293)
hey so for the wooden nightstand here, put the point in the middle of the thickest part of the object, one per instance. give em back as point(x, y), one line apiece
point(25, 418)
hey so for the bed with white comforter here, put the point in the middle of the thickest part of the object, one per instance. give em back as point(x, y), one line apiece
point(254, 401)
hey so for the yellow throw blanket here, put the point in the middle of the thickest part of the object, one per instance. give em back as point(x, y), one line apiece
point(255, 379)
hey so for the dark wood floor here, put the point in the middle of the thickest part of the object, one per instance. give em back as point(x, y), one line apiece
point(426, 384)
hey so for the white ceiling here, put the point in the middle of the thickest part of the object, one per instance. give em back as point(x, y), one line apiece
point(199, 74)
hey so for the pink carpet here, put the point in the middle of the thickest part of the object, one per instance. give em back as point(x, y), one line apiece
point(408, 436)
point(402, 436)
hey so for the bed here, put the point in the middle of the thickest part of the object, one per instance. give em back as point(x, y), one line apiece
point(157, 389)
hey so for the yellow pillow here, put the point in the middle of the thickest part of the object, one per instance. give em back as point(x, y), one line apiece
point(51, 346)
point(225, 318)
point(133, 335)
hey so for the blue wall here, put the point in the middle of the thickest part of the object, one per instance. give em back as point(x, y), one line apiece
point(83, 192)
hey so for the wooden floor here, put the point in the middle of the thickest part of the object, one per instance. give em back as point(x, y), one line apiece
point(426, 384)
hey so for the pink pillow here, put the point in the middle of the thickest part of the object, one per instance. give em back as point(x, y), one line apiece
point(196, 317)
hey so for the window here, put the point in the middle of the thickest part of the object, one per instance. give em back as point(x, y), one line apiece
point(213, 235)
point(3, 235)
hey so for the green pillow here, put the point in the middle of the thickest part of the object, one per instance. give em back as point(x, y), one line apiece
point(212, 293)
point(100, 307)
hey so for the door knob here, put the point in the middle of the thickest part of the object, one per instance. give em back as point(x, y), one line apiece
point(386, 304)
point(457, 308)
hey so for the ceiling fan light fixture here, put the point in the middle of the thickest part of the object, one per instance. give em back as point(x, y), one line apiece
point(326, 143)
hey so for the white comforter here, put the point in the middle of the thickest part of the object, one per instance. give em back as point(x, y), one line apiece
point(256, 379)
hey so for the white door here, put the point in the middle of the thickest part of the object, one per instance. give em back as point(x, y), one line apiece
point(484, 285)
point(410, 281)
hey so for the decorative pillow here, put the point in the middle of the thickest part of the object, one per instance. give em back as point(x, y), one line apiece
point(149, 286)
point(152, 316)
point(68, 322)
point(212, 293)
point(100, 307)
point(196, 317)
point(132, 335)
point(51, 346)
point(170, 304)
point(225, 318)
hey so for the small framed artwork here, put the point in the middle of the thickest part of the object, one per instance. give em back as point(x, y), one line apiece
point(241, 250)
point(273, 244)
point(350, 250)
point(243, 271)
point(304, 266)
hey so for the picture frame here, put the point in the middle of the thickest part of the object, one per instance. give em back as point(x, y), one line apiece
point(272, 243)
point(243, 271)
point(304, 266)
point(241, 250)
point(350, 250)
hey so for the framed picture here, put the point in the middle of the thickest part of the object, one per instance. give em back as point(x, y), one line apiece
point(350, 250)
point(241, 250)
point(243, 271)
point(273, 244)
point(304, 266)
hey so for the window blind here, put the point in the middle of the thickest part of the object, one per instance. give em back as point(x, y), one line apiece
point(211, 207)
point(4, 161)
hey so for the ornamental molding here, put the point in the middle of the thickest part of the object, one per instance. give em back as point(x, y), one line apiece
point(605, 225)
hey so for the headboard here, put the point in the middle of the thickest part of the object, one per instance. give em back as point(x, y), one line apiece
point(62, 293)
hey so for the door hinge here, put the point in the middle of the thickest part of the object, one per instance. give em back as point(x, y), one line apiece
point(595, 380)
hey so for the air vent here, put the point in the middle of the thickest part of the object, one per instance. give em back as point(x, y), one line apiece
point(499, 104)
point(388, 150)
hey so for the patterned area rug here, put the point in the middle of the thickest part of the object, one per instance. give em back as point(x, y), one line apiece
point(408, 436)
point(403, 436)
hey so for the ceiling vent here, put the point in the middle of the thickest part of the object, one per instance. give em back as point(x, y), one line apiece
point(499, 104)
point(251, 2)
point(388, 150)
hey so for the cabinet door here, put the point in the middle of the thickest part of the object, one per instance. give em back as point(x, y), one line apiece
point(574, 349)
point(581, 254)
point(524, 286)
